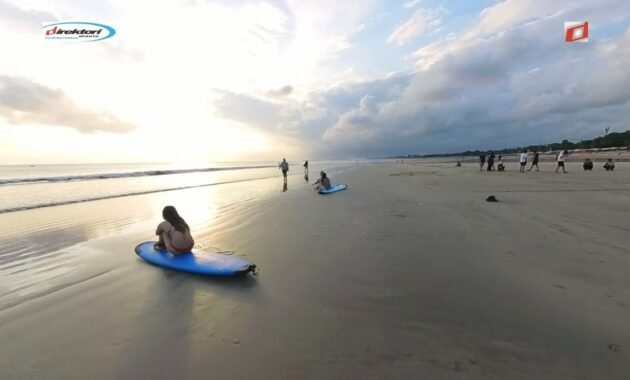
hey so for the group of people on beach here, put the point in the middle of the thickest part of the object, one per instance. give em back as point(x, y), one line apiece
point(608, 166)
point(524, 158)
point(174, 233)
point(322, 183)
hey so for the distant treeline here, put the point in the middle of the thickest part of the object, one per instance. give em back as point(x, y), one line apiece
point(611, 140)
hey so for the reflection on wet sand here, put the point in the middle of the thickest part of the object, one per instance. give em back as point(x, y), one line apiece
point(177, 319)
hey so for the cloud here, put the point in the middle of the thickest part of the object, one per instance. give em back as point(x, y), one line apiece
point(498, 83)
point(249, 110)
point(116, 51)
point(280, 115)
point(305, 120)
point(24, 20)
point(421, 21)
point(411, 3)
point(283, 91)
point(23, 101)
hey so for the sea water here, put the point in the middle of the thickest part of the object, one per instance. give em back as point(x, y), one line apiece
point(24, 187)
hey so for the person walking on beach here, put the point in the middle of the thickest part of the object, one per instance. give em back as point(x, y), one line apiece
point(560, 159)
point(534, 163)
point(491, 162)
point(306, 168)
point(523, 160)
point(284, 166)
point(482, 161)
point(174, 233)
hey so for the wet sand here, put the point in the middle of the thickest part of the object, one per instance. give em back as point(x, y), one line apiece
point(408, 274)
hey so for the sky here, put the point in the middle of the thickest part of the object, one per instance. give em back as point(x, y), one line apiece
point(227, 80)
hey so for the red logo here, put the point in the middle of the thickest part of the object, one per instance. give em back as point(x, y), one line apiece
point(576, 31)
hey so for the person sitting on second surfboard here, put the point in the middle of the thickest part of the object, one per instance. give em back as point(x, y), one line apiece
point(174, 233)
point(323, 183)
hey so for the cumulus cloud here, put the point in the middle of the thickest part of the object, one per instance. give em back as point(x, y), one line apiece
point(501, 83)
point(421, 21)
point(509, 79)
point(23, 101)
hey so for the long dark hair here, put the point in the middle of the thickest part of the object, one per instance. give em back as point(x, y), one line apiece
point(170, 215)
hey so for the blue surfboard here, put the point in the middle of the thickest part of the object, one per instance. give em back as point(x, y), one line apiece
point(199, 262)
point(334, 189)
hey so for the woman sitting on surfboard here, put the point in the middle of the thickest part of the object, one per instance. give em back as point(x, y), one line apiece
point(174, 233)
point(323, 183)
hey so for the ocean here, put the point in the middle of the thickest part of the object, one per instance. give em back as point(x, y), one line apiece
point(24, 187)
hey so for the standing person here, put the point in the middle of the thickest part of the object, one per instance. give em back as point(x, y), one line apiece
point(523, 160)
point(560, 159)
point(482, 161)
point(491, 161)
point(306, 168)
point(174, 233)
point(284, 166)
point(534, 163)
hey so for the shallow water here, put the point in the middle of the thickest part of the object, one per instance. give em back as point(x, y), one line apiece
point(25, 187)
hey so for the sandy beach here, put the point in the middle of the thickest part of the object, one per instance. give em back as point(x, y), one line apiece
point(408, 274)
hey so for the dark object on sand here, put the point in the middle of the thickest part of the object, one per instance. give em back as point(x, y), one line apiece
point(614, 347)
point(501, 167)
point(609, 165)
point(492, 198)
point(588, 164)
point(459, 163)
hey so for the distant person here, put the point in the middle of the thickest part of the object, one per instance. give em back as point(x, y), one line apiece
point(491, 161)
point(284, 166)
point(560, 159)
point(588, 164)
point(174, 233)
point(609, 165)
point(534, 162)
point(306, 168)
point(500, 166)
point(458, 164)
point(323, 183)
point(482, 161)
point(523, 161)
